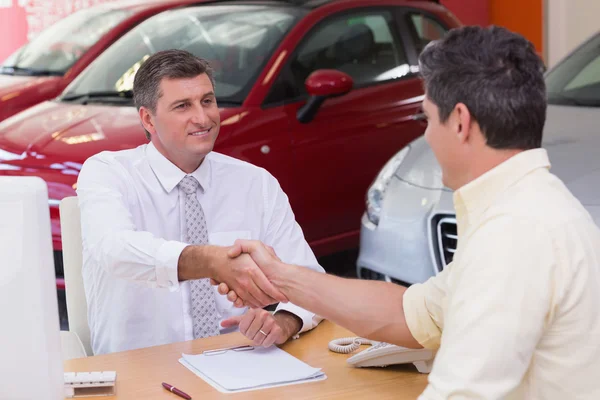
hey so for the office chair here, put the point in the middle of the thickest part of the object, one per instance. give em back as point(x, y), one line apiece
point(70, 222)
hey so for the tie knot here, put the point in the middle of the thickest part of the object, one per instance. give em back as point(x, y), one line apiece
point(189, 184)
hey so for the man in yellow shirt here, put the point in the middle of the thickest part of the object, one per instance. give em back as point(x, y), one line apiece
point(516, 313)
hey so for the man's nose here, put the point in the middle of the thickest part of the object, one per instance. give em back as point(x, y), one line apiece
point(200, 117)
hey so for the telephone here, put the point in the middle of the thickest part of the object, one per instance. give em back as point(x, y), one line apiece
point(382, 354)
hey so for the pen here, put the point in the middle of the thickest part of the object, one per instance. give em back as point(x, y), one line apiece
point(178, 392)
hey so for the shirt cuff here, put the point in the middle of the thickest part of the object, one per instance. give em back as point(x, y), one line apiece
point(167, 260)
point(306, 316)
point(419, 322)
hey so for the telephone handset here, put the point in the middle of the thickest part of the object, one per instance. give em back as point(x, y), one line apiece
point(382, 354)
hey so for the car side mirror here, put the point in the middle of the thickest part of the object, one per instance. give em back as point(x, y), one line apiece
point(321, 85)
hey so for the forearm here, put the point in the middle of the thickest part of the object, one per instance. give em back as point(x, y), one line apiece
point(197, 262)
point(131, 254)
point(290, 323)
point(368, 308)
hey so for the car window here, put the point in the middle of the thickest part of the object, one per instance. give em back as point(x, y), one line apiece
point(424, 29)
point(57, 48)
point(237, 40)
point(363, 45)
point(589, 75)
point(575, 81)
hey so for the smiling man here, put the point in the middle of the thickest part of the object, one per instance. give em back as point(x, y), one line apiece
point(157, 221)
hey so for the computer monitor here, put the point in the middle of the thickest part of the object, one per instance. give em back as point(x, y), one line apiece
point(30, 347)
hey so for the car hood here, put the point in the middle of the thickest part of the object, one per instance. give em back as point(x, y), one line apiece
point(571, 137)
point(11, 83)
point(57, 132)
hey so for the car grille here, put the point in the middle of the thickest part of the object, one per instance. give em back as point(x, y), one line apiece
point(446, 240)
point(368, 274)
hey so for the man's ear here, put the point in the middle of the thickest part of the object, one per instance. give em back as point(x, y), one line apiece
point(462, 122)
point(147, 120)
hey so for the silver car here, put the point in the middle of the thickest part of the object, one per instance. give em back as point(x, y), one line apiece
point(408, 231)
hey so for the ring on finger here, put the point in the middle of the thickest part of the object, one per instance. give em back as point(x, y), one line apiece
point(261, 331)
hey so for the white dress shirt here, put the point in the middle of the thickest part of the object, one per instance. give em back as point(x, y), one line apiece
point(133, 227)
point(515, 315)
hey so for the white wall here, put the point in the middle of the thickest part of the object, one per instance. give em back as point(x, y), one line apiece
point(567, 24)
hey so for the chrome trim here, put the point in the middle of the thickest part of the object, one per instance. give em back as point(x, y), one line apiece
point(440, 236)
point(416, 99)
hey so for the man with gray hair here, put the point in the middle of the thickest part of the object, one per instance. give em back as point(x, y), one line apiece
point(515, 315)
point(157, 221)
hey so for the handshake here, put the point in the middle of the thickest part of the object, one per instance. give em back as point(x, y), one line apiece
point(248, 274)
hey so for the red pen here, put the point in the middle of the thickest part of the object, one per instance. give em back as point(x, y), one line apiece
point(178, 392)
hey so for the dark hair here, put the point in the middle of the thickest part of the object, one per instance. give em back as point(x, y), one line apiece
point(499, 77)
point(171, 64)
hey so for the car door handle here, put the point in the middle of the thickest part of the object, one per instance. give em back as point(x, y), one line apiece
point(418, 117)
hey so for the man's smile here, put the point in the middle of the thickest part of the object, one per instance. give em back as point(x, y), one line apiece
point(202, 132)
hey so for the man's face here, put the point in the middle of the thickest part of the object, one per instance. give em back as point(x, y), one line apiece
point(186, 123)
point(442, 139)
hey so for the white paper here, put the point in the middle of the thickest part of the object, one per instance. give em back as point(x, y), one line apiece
point(320, 376)
point(237, 370)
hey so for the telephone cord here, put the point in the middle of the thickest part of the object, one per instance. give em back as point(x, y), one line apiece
point(348, 344)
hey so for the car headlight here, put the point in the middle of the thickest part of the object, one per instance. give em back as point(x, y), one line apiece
point(376, 191)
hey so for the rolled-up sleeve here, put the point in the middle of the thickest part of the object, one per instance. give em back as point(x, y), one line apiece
point(110, 238)
point(422, 305)
point(282, 232)
point(166, 261)
point(498, 300)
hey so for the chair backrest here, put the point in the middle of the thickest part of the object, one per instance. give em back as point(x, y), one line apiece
point(71, 345)
point(70, 223)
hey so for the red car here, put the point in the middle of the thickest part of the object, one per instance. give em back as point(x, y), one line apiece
point(41, 69)
point(320, 93)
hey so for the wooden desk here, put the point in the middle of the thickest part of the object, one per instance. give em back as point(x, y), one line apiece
point(140, 372)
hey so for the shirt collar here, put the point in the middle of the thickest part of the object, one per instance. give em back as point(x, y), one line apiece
point(481, 192)
point(169, 175)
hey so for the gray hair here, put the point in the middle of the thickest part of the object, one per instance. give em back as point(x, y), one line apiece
point(499, 77)
point(171, 64)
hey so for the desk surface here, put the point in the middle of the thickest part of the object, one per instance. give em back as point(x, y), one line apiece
point(140, 372)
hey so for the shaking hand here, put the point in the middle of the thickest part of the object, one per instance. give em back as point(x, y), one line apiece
point(243, 281)
point(263, 255)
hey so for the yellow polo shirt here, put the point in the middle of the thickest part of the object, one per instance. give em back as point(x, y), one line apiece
point(516, 315)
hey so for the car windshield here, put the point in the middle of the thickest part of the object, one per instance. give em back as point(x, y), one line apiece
point(57, 48)
point(237, 40)
point(576, 80)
